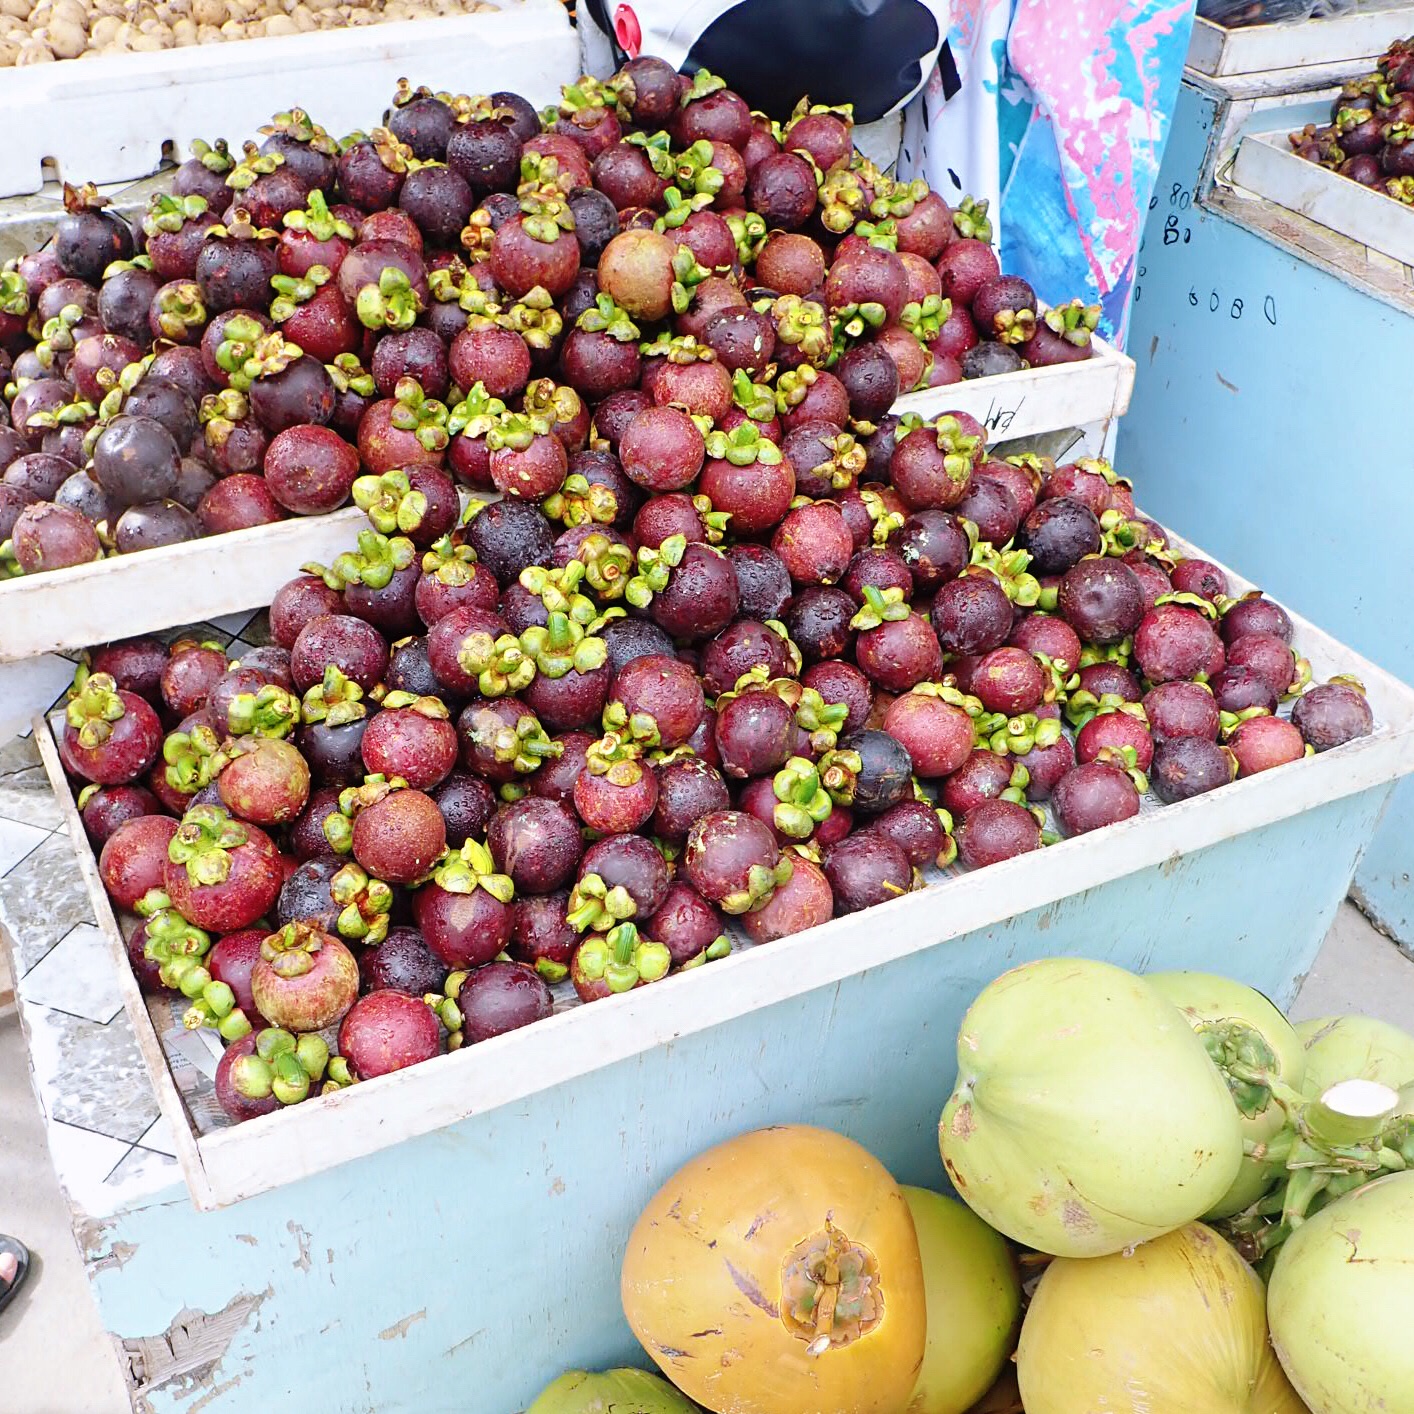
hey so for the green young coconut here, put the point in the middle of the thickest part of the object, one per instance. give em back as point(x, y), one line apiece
point(1338, 1301)
point(1354, 1048)
point(974, 1303)
point(1246, 1036)
point(613, 1392)
point(1087, 1115)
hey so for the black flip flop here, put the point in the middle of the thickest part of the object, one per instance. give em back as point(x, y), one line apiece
point(21, 1253)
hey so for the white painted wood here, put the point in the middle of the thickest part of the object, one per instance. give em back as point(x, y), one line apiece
point(1012, 405)
point(154, 589)
point(106, 118)
point(202, 579)
point(1266, 166)
point(1363, 34)
point(237, 1163)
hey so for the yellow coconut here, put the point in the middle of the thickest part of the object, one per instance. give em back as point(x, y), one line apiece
point(1177, 1326)
point(779, 1273)
point(974, 1299)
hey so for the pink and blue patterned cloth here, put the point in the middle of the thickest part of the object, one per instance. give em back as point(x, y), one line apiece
point(1058, 112)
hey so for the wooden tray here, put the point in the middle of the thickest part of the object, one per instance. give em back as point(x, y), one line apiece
point(230, 1164)
point(1350, 40)
point(130, 594)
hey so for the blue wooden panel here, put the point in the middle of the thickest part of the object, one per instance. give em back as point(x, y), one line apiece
point(1252, 433)
point(462, 1270)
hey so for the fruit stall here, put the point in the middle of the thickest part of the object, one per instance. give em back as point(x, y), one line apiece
point(1252, 249)
point(585, 668)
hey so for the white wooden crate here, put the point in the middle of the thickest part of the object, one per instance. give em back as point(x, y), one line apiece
point(107, 118)
point(1035, 400)
point(1363, 34)
point(130, 594)
point(231, 1164)
point(1266, 166)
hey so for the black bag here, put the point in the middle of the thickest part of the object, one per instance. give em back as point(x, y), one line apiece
point(874, 54)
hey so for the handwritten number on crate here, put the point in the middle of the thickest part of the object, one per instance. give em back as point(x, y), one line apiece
point(1269, 309)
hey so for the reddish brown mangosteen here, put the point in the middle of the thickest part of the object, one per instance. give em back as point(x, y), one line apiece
point(232, 960)
point(617, 792)
point(1254, 614)
point(804, 901)
point(221, 874)
point(920, 830)
point(297, 602)
point(689, 927)
point(733, 861)
point(983, 776)
point(932, 466)
point(501, 997)
point(397, 834)
point(1175, 641)
point(1181, 709)
point(896, 648)
point(1115, 735)
point(657, 701)
point(467, 804)
point(134, 858)
point(355, 648)
point(464, 912)
point(265, 781)
point(1094, 795)
point(936, 732)
point(815, 543)
point(688, 788)
point(537, 842)
point(1261, 743)
point(965, 266)
point(1333, 713)
point(701, 597)
point(110, 736)
point(387, 1031)
point(994, 831)
point(1271, 659)
point(306, 979)
point(411, 737)
point(662, 449)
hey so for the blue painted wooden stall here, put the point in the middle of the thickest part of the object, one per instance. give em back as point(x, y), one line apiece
point(1265, 425)
point(461, 1270)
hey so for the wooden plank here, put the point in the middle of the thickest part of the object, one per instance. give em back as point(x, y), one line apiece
point(150, 1047)
point(1354, 38)
point(1267, 166)
point(197, 580)
point(255, 1157)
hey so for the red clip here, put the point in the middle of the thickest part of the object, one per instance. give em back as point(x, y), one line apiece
point(628, 31)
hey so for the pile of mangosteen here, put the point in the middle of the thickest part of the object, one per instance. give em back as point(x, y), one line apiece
point(721, 660)
point(295, 319)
